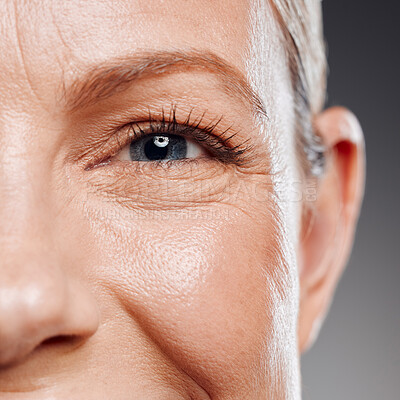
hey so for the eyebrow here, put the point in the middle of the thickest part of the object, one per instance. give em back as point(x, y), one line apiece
point(104, 80)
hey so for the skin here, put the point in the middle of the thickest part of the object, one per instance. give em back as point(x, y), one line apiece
point(195, 280)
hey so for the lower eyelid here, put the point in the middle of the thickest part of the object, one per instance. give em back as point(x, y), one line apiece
point(123, 173)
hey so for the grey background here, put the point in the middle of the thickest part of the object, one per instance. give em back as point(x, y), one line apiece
point(357, 355)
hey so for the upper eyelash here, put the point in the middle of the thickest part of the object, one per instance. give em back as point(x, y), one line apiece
point(217, 143)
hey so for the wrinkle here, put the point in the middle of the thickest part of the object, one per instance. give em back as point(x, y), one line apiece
point(68, 53)
point(23, 60)
point(135, 316)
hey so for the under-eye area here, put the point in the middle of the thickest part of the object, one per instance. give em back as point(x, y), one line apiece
point(175, 184)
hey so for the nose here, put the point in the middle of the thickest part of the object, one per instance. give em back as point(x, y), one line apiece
point(42, 291)
point(39, 302)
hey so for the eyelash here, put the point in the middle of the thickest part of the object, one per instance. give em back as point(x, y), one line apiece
point(216, 143)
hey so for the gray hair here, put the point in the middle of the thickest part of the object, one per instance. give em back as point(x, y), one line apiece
point(301, 22)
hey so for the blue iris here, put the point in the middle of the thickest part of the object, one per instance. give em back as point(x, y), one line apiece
point(158, 147)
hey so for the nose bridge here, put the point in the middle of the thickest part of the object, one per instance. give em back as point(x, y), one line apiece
point(25, 174)
point(28, 262)
point(38, 299)
point(31, 286)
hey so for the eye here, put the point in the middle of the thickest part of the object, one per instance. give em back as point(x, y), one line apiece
point(165, 139)
point(160, 147)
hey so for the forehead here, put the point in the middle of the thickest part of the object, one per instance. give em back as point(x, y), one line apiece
point(55, 38)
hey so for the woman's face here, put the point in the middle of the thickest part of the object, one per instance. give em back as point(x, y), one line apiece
point(150, 210)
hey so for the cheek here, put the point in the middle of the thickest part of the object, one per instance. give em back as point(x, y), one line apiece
point(211, 288)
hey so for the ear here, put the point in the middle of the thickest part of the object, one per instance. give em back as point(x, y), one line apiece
point(329, 222)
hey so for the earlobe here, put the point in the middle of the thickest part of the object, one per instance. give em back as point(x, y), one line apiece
point(330, 221)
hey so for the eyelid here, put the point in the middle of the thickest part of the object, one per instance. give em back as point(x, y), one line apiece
point(215, 140)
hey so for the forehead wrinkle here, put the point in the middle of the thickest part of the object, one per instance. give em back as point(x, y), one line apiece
point(117, 75)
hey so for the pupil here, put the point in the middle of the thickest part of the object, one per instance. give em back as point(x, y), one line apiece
point(156, 148)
